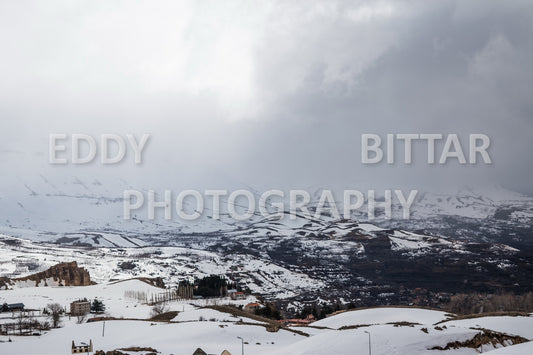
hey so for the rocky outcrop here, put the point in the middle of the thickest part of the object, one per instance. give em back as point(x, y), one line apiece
point(5, 283)
point(486, 336)
point(154, 281)
point(64, 274)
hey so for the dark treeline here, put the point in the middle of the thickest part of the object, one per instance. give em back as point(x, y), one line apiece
point(211, 286)
point(269, 311)
point(321, 311)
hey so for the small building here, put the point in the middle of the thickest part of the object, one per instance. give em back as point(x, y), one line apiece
point(298, 322)
point(80, 308)
point(225, 352)
point(83, 348)
point(13, 307)
point(238, 296)
point(199, 352)
point(251, 307)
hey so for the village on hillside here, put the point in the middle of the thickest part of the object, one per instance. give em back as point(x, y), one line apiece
point(63, 301)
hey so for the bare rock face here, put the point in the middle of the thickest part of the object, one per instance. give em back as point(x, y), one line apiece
point(154, 281)
point(66, 274)
point(5, 283)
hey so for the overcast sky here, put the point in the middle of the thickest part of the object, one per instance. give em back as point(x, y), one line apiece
point(266, 93)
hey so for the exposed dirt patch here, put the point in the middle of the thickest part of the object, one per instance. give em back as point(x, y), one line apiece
point(165, 317)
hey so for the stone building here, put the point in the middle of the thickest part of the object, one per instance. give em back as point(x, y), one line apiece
point(83, 348)
point(80, 308)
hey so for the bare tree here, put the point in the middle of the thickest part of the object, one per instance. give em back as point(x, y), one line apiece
point(21, 320)
point(81, 318)
point(159, 308)
point(45, 325)
point(55, 311)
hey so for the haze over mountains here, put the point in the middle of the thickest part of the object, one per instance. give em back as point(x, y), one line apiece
point(47, 207)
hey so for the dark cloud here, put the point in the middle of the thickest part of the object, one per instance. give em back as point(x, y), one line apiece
point(275, 95)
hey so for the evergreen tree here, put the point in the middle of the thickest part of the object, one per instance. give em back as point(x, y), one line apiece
point(97, 306)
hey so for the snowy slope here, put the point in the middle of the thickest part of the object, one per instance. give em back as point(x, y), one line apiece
point(404, 339)
point(381, 316)
point(176, 338)
point(215, 331)
point(113, 295)
point(522, 326)
point(386, 340)
point(173, 264)
point(518, 349)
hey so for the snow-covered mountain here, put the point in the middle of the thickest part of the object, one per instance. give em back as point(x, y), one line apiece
point(78, 209)
point(462, 241)
point(459, 242)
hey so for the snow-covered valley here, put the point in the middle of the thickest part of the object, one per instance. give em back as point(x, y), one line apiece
point(390, 330)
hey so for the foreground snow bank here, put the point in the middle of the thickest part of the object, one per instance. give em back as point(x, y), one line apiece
point(167, 338)
point(519, 349)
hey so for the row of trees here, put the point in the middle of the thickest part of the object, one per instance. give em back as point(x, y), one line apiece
point(184, 291)
point(25, 323)
point(483, 303)
point(208, 287)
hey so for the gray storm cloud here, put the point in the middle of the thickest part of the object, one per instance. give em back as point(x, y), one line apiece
point(272, 94)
